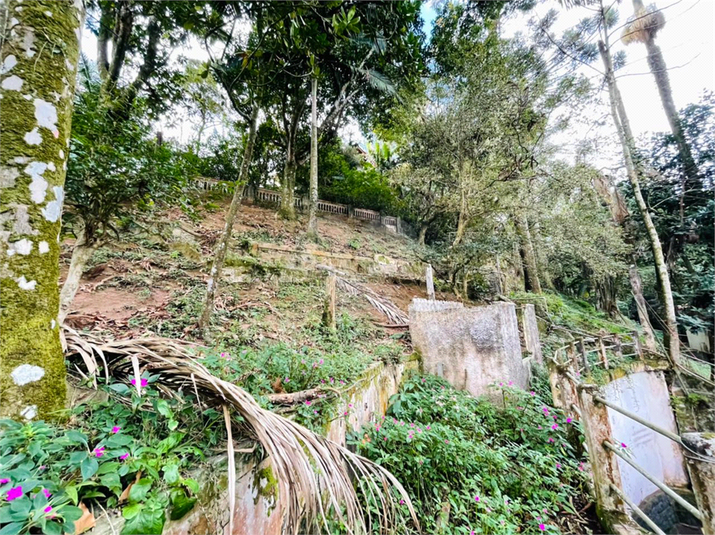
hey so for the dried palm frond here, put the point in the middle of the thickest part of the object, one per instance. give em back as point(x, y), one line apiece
point(384, 305)
point(645, 23)
point(314, 474)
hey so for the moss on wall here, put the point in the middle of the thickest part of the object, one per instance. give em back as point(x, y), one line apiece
point(38, 62)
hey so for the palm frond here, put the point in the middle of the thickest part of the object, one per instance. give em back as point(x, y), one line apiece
point(314, 474)
point(379, 81)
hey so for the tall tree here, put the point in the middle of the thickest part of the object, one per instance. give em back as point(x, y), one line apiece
point(313, 210)
point(633, 169)
point(643, 28)
point(39, 55)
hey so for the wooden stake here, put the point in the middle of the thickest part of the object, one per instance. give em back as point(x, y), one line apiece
point(430, 282)
point(584, 355)
point(329, 308)
point(604, 357)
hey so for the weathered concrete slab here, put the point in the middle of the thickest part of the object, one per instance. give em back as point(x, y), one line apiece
point(471, 348)
point(645, 394)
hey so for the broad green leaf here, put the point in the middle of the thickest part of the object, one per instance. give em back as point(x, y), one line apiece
point(140, 489)
point(89, 467)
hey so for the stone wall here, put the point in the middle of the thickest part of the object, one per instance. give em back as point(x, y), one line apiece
point(530, 332)
point(645, 394)
point(471, 348)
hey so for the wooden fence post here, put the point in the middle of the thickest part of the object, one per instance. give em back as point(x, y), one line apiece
point(617, 342)
point(430, 282)
point(584, 356)
point(637, 344)
point(602, 347)
point(329, 308)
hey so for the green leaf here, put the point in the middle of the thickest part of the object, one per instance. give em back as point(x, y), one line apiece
point(171, 473)
point(76, 437)
point(192, 485)
point(52, 528)
point(140, 489)
point(130, 511)
point(71, 491)
point(89, 467)
point(77, 457)
point(108, 467)
point(71, 513)
point(120, 388)
point(149, 521)
point(116, 441)
point(12, 529)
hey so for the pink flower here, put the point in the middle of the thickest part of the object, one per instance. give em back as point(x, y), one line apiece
point(124, 457)
point(540, 427)
point(345, 413)
point(116, 429)
point(532, 393)
point(511, 383)
point(350, 405)
point(551, 440)
point(315, 412)
point(320, 362)
point(384, 438)
point(14, 492)
point(307, 402)
point(546, 410)
point(286, 380)
point(48, 509)
point(555, 427)
point(569, 420)
point(623, 445)
point(476, 498)
point(46, 493)
point(501, 384)
point(580, 467)
point(446, 441)
point(428, 428)
point(223, 355)
point(402, 502)
point(558, 465)
point(4, 480)
point(542, 527)
point(98, 452)
point(144, 382)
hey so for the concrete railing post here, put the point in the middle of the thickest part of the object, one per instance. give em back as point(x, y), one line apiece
point(429, 281)
point(329, 306)
point(702, 475)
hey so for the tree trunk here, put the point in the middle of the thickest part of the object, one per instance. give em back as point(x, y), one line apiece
point(637, 289)
point(81, 254)
point(287, 210)
point(422, 235)
point(657, 65)
point(619, 213)
point(36, 93)
point(541, 261)
point(120, 45)
point(313, 215)
point(623, 128)
point(462, 221)
point(531, 273)
point(222, 245)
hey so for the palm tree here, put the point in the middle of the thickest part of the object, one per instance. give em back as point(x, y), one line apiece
point(643, 28)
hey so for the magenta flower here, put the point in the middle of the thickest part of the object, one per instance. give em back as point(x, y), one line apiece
point(98, 452)
point(223, 355)
point(532, 393)
point(14, 492)
point(384, 438)
point(558, 465)
point(46, 493)
point(307, 402)
point(286, 380)
point(623, 445)
point(511, 383)
point(551, 440)
point(402, 502)
point(546, 410)
point(542, 527)
point(315, 412)
point(580, 467)
point(144, 382)
point(446, 441)
point(345, 413)
point(320, 362)
point(124, 456)
point(116, 429)
point(555, 427)
point(350, 405)
point(48, 509)
point(501, 384)
point(569, 420)
point(476, 498)
point(428, 427)
point(4, 480)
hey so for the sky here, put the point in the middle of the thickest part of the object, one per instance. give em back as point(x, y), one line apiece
point(687, 43)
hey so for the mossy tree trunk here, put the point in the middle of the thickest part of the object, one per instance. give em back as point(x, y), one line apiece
point(38, 68)
point(531, 272)
point(313, 214)
point(625, 134)
point(225, 239)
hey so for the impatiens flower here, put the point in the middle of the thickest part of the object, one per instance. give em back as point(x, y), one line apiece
point(542, 527)
point(124, 457)
point(446, 441)
point(501, 384)
point(555, 427)
point(345, 413)
point(546, 410)
point(315, 412)
point(223, 355)
point(540, 427)
point(46, 493)
point(402, 502)
point(14, 492)
point(320, 362)
point(384, 438)
point(48, 509)
point(569, 420)
point(511, 383)
point(580, 467)
point(116, 429)
point(551, 440)
point(41, 468)
point(623, 445)
point(428, 427)
point(532, 393)
point(144, 382)
point(286, 380)
point(350, 405)
point(558, 465)
point(4, 480)
point(307, 402)
point(476, 498)
point(98, 452)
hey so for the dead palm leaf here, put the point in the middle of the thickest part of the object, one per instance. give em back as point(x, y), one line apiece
point(314, 474)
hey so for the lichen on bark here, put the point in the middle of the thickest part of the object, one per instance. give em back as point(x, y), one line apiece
point(40, 46)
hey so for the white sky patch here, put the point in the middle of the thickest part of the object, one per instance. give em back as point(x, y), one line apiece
point(12, 83)
point(26, 373)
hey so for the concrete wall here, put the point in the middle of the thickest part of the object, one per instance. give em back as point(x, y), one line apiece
point(471, 348)
point(530, 332)
point(646, 394)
